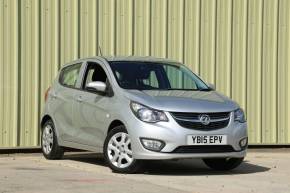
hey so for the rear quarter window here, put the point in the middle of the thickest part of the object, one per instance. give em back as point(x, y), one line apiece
point(69, 75)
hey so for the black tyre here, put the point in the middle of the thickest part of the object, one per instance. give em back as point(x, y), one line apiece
point(223, 164)
point(49, 144)
point(118, 152)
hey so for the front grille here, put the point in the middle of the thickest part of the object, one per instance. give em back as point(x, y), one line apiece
point(196, 125)
point(191, 120)
point(204, 149)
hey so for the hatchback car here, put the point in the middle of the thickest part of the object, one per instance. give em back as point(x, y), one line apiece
point(133, 109)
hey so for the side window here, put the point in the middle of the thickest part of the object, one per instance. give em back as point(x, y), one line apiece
point(69, 75)
point(94, 72)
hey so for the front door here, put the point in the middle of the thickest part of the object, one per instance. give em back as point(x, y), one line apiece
point(90, 109)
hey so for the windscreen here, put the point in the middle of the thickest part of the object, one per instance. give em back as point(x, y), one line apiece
point(155, 76)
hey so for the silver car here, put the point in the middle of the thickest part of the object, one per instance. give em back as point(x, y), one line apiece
point(133, 109)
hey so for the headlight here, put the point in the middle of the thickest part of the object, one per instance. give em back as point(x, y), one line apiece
point(147, 114)
point(239, 115)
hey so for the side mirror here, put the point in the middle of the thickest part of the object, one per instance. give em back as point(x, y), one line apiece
point(97, 86)
point(211, 86)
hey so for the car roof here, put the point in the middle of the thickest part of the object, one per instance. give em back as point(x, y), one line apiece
point(137, 58)
point(125, 58)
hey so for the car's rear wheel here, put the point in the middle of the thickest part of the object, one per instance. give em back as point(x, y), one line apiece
point(118, 151)
point(49, 144)
point(223, 164)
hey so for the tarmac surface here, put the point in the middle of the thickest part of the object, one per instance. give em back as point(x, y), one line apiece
point(82, 172)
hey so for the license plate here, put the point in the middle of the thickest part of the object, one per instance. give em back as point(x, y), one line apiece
point(206, 139)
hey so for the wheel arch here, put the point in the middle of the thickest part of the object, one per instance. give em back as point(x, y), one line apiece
point(114, 124)
point(44, 119)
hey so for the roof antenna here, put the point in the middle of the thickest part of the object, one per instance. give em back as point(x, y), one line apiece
point(100, 50)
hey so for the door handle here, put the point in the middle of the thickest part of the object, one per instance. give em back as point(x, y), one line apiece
point(79, 99)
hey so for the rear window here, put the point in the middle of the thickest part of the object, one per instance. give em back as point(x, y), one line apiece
point(69, 75)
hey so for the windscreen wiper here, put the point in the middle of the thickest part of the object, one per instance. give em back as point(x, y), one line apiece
point(204, 89)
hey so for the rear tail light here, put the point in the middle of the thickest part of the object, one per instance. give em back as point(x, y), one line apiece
point(46, 94)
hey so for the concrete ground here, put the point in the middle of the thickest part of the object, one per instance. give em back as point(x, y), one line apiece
point(263, 171)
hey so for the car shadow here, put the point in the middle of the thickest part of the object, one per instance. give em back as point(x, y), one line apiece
point(196, 167)
point(185, 167)
point(86, 157)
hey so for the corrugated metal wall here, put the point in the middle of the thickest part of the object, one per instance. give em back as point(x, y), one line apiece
point(242, 46)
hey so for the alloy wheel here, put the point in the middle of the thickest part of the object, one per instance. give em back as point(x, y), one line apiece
point(47, 139)
point(119, 150)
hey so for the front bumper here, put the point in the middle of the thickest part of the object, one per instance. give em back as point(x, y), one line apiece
point(175, 136)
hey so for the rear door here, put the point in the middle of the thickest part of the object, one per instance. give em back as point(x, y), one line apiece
point(63, 96)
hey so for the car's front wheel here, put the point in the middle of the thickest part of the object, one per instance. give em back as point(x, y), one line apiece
point(49, 144)
point(223, 164)
point(118, 151)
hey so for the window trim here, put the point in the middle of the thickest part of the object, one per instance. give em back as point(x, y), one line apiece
point(85, 75)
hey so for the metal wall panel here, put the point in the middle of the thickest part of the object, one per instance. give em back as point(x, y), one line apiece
point(192, 34)
point(69, 38)
point(124, 27)
point(107, 27)
point(88, 37)
point(29, 73)
point(242, 46)
point(239, 51)
point(9, 69)
point(269, 71)
point(254, 69)
point(49, 44)
point(159, 28)
point(283, 65)
point(207, 40)
point(175, 30)
point(223, 46)
point(141, 28)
